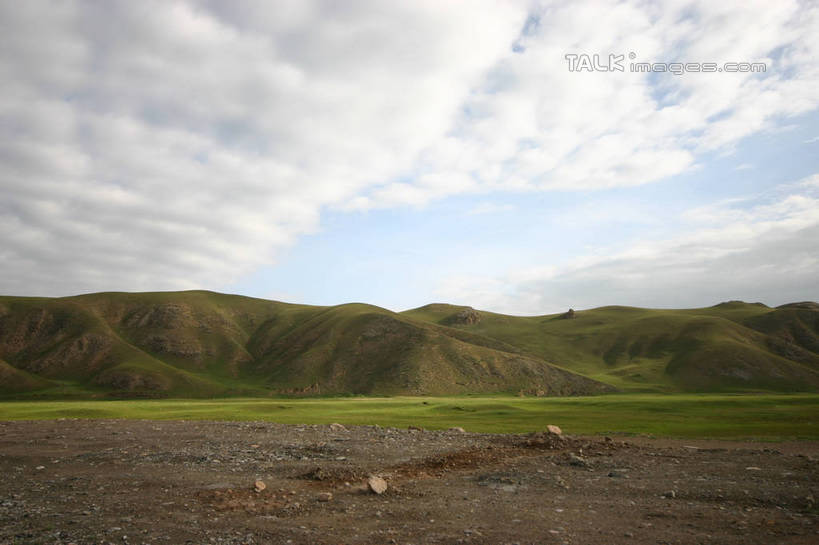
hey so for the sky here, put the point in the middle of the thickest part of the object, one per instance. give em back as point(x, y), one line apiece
point(511, 156)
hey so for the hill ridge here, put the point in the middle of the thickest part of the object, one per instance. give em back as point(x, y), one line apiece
point(203, 343)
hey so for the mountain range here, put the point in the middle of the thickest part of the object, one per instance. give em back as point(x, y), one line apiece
point(204, 344)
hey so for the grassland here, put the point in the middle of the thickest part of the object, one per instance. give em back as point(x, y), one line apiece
point(764, 417)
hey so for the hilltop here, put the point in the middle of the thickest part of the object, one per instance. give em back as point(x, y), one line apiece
point(200, 344)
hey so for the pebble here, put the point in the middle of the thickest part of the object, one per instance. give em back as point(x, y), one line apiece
point(576, 460)
point(377, 484)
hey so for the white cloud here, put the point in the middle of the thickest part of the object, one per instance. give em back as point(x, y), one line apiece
point(533, 124)
point(154, 145)
point(149, 145)
point(766, 247)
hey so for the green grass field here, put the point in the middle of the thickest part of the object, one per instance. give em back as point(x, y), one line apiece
point(765, 416)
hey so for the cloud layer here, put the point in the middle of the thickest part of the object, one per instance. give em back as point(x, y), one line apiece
point(764, 247)
point(164, 145)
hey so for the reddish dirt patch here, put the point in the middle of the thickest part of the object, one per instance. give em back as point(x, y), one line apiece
point(131, 482)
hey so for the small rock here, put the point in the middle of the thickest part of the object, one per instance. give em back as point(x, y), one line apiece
point(753, 468)
point(377, 484)
point(335, 426)
point(617, 474)
point(39, 468)
point(670, 494)
point(555, 430)
point(325, 496)
point(415, 428)
point(575, 460)
point(457, 429)
point(258, 486)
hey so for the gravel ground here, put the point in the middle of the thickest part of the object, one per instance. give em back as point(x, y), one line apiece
point(132, 482)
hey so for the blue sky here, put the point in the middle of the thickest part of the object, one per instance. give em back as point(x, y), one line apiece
point(408, 152)
point(397, 257)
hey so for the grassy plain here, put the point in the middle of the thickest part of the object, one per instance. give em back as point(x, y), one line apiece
point(728, 416)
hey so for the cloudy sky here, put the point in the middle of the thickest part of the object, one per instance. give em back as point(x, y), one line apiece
point(400, 153)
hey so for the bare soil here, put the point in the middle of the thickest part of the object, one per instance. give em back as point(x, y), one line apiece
point(131, 482)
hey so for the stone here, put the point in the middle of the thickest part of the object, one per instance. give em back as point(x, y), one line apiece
point(376, 484)
point(415, 428)
point(468, 316)
point(258, 486)
point(575, 460)
point(555, 430)
point(325, 496)
point(457, 429)
point(335, 426)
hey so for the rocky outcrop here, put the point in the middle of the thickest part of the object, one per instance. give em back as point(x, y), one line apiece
point(467, 316)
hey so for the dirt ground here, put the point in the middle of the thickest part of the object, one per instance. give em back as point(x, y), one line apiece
point(131, 482)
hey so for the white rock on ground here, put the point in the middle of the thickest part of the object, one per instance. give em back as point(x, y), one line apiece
point(377, 484)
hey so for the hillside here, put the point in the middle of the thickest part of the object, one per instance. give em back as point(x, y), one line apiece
point(193, 344)
point(732, 346)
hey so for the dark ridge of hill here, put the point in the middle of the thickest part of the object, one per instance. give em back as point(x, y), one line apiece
point(738, 304)
point(792, 331)
point(198, 343)
point(805, 305)
point(733, 346)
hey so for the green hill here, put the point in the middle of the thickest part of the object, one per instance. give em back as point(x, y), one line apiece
point(200, 344)
point(193, 344)
point(732, 346)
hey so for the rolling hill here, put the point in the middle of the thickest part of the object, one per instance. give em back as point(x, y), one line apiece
point(193, 344)
point(200, 344)
point(732, 346)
